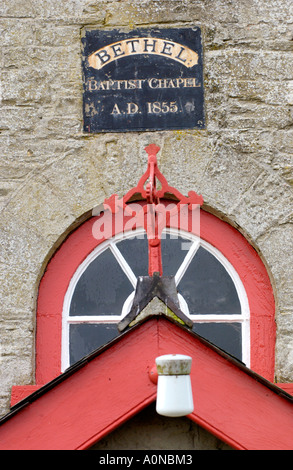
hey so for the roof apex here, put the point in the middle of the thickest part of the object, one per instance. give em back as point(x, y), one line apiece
point(148, 289)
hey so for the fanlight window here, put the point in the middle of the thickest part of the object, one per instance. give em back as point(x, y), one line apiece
point(101, 292)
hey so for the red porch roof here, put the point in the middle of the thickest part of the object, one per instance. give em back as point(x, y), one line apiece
point(110, 386)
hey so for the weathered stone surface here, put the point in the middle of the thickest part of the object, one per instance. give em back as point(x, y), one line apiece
point(51, 173)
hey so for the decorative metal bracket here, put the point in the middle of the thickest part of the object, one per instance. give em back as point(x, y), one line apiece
point(152, 187)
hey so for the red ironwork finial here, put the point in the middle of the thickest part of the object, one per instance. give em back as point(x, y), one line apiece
point(148, 190)
point(152, 149)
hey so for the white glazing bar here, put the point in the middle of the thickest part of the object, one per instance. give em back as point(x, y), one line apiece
point(123, 263)
point(94, 319)
point(195, 242)
point(217, 318)
point(190, 254)
point(65, 346)
point(246, 342)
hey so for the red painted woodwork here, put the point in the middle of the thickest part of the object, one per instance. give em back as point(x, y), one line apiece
point(20, 392)
point(238, 407)
point(288, 387)
point(255, 279)
point(75, 410)
point(148, 190)
point(222, 399)
point(224, 237)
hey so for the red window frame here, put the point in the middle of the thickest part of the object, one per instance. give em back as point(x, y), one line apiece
point(229, 241)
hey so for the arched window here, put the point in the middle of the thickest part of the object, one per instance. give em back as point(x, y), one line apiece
point(89, 284)
point(234, 278)
point(101, 291)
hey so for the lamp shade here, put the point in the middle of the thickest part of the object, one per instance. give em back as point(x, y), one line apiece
point(174, 392)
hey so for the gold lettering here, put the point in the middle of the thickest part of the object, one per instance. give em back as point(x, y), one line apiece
point(117, 49)
point(132, 41)
point(173, 107)
point(103, 56)
point(132, 108)
point(153, 83)
point(189, 82)
point(110, 84)
point(128, 47)
point(178, 56)
point(92, 85)
point(171, 84)
point(167, 48)
point(115, 110)
point(158, 107)
point(139, 83)
point(131, 84)
point(150, 44)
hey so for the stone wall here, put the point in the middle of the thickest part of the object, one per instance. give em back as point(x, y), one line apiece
point(52, 173)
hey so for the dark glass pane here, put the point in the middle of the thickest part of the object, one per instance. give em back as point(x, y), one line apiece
point(207, 287)
point(85, 338)
point(226, 336)
point(173, 253)
point(102, 289)
point(135, 252)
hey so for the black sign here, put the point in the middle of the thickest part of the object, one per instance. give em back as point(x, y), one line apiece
point(142, 80)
